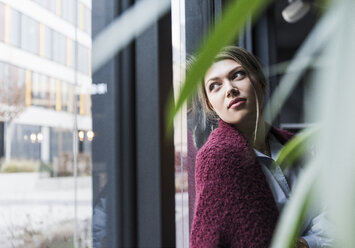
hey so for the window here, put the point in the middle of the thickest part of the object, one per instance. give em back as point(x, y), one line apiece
point(1, 74)
point(25, 144)
point(59, 48)
point(68, 10)
point(6, 73)
point(61, 147)
point(65, 96)
point(58, 95)
point(83, 59)
point(71, 97)
point(37, 65)
point(51, 101)
point(55, 45)
point(87, 20)
point(21, 77)
point(35, 88)
point(62, 49)
point(48, 46)
point(17, 86)
point(15, 30)
point(29, 35)
point(80, 16)
point(2, 22)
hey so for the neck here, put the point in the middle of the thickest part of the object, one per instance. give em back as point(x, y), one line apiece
point(258, 139)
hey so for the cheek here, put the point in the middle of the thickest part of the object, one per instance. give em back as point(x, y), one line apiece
point(216, 102)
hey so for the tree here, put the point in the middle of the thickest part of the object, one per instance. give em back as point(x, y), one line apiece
point(12, 103)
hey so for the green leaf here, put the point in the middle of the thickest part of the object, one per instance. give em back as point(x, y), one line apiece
point(225, 32)
point(295, 148)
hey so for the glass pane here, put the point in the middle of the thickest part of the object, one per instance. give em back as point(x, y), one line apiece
point(45, 147)
point(15, 28)
point(83, 64)
point(183, 141)
point(29, 34)
point(2, 22)
point(48, 43)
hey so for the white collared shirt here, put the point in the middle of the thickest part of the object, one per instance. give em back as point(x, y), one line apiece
point(281, 183)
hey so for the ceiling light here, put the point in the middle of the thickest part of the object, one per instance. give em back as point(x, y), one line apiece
point(296, 10)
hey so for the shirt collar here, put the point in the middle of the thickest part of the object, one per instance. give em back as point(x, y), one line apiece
point(275, 147)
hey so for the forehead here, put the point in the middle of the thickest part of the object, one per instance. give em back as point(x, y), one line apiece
point(221, 68)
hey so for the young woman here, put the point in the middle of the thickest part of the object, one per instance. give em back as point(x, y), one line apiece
point(238, 194)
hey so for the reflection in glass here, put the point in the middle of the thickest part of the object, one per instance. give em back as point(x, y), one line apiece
point(2, 21)
point(181, 134)
point(45, 187)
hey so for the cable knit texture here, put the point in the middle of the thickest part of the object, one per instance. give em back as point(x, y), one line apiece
point(234, 204)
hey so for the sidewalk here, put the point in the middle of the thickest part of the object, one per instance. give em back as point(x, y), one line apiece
point(34, 208)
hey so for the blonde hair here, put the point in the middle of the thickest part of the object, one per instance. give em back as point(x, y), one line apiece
point(254, 72)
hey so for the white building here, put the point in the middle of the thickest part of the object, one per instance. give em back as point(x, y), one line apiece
point(44, 55)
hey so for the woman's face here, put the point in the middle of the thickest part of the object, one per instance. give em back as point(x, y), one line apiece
point(231, 93)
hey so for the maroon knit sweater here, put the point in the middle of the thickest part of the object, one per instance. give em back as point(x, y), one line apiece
point(234, 204)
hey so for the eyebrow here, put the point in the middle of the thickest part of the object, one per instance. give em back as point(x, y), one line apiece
point(229, 74)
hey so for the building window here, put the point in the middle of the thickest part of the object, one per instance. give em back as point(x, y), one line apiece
point(1, 75)
point(52, 6)
point(69, 52)
point(15, 30)
point(59, 48)
point(17, 87)
point(87, 20)
point(24, 142)
point(2, 22)
point(58, 95)
point(83, 59)
point(65, 96)
point(80, 16)
point(70, 98)
point(30, 35)
point(51, 93)
point(61, 143)
point(35, 89)
point(68, 10)
point(42, 40)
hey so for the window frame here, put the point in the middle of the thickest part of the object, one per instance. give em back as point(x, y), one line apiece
point(139, 155)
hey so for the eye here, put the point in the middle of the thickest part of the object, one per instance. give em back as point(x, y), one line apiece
point(213, 86)
point(239, 74)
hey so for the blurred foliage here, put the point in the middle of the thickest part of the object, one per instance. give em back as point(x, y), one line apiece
point(328, 177)
point(296, 148)
point(14, 166)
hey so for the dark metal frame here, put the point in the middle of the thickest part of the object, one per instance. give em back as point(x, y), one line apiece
point(131, 144)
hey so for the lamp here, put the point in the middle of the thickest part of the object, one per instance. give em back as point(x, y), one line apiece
point(296, 10)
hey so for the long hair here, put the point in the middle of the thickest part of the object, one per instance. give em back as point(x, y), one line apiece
point(254, 71)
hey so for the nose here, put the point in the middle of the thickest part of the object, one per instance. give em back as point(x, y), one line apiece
point(231, 90)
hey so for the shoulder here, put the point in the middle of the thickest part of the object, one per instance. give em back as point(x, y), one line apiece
point(225, 147)
point(222, 141)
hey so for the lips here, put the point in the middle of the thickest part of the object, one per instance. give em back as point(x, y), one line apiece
point(236, 102)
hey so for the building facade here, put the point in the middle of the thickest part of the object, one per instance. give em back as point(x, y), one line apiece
point(45, 78)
